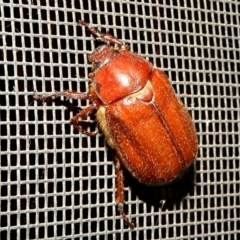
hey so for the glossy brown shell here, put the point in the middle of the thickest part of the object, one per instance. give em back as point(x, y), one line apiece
point(121, 76)
point(153, 132)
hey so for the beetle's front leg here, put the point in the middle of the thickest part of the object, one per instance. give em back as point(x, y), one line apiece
point(105, 37)
point(84, 113)
point(65, 93)
point(120, 193)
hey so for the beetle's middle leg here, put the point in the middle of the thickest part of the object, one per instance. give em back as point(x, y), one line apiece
point(84, 113)
point(73, 95)
point(120, 193)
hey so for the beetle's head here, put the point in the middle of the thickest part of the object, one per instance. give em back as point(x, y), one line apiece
point(102, 55)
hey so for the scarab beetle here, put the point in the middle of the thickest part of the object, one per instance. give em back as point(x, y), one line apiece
point(139, 114)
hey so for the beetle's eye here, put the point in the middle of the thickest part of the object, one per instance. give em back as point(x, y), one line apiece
point(96, 65)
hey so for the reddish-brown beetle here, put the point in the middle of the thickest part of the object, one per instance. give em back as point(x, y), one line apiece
point(139, 114)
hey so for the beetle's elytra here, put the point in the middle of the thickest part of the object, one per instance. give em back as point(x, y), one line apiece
point(139, 114)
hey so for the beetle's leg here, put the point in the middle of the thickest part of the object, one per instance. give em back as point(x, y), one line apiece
point(74, 95)
point(120, 193)
point(105, 37)
point(66, 93)
point(84, 113)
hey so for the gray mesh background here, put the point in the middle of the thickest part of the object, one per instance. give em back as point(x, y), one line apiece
point(58, 184)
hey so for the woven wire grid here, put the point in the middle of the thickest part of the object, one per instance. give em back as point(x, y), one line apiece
point(59, 184)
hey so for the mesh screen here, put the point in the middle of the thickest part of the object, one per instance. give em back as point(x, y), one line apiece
point(58, 184)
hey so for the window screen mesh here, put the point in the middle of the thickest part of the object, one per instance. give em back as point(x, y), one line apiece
point(58, 184)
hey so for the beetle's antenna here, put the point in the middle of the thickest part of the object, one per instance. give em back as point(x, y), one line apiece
point(104, 37)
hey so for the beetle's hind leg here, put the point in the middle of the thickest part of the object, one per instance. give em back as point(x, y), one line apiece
point(120, 193)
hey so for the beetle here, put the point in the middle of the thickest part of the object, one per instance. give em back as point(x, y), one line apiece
point(138, 112)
